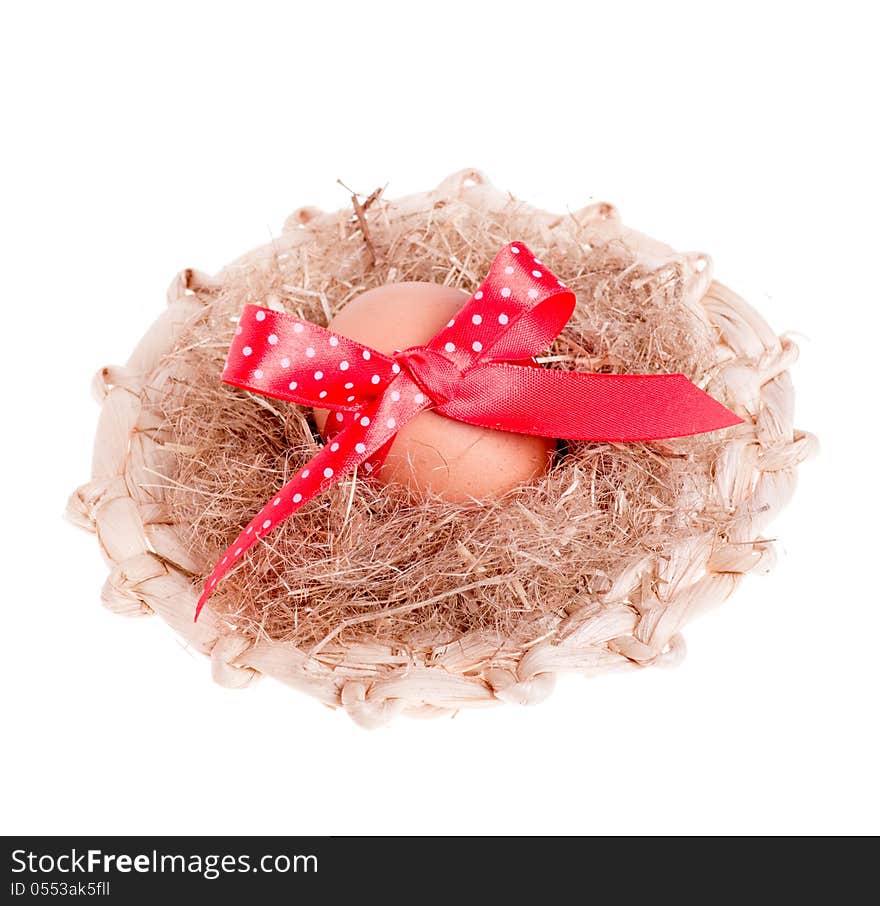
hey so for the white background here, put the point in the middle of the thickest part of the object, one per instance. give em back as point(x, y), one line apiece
point(140, 139)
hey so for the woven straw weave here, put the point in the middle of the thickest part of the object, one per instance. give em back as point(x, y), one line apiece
point(151, 569)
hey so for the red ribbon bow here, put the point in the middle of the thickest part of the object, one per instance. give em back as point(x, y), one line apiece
point(468, 372)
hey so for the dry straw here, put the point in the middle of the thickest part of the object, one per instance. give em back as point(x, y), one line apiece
point(378, 604)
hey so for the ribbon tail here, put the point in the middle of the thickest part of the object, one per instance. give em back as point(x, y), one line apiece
point(368, 436)
point(323, 470)
point(372, 464)
point(584, 406)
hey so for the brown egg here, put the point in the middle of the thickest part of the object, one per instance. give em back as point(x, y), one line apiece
point(432, 452)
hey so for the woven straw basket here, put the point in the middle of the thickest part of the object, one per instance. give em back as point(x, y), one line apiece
point(152, 571)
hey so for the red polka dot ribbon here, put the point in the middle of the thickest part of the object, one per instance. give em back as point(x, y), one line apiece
point(474, 370)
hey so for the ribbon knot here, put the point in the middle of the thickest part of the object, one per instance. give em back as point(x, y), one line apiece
point(436, 374)
point(473, 371)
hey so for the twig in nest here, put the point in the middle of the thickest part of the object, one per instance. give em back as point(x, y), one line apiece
point(373, 196)
point(359, 212)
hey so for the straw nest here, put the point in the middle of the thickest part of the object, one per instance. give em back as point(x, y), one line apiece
point(378, 604)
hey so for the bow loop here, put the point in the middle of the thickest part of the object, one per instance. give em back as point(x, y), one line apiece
point(533, 330)
point(277, 355)
point(519, 309)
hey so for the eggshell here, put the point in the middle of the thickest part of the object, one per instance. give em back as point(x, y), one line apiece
point(432, 453)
